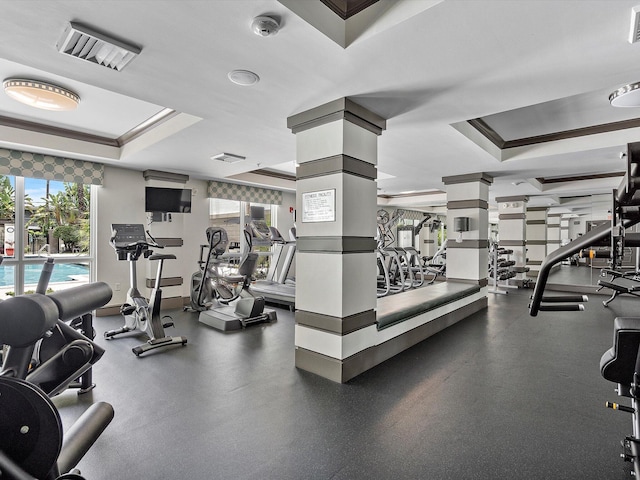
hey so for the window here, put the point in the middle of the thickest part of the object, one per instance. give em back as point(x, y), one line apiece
point(41, 219)
point(232, 216)
point(226, 214)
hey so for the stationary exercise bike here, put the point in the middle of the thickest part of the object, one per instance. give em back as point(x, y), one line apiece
point(130, 243)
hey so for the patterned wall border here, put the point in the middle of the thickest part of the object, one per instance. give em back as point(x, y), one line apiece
point(48, 167)
point(244, 193)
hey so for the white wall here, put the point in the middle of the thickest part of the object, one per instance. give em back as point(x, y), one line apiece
point(285, 218)
point(121, 200)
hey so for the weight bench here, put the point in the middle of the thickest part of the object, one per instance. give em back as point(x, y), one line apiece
point(618, 289)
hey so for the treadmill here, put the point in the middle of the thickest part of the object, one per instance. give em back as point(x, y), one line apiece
point(276, 288)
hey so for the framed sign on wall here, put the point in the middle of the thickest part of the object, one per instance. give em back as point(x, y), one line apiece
point(319, 206)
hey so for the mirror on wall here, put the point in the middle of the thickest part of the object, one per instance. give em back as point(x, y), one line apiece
point(579, 216)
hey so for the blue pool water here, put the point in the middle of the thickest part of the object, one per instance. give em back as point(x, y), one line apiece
point(62, 272)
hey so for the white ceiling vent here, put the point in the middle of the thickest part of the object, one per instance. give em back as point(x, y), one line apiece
point(228, 158)
point(634, 34)
point(86, 44)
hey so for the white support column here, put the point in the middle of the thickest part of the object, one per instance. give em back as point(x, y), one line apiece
point(467, 228)
point(336, 225)
point(429, 240)
point(564, 229)
point(553, 232)
point(512, 233)
point(536, 235)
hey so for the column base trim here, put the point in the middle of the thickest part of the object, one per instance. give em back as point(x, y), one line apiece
point(341, 326)
point(341, 371)
point(336, 244)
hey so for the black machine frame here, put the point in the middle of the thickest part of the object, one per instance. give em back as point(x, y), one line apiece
point(621, 363)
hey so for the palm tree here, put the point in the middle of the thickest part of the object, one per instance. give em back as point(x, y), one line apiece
point(7, 199)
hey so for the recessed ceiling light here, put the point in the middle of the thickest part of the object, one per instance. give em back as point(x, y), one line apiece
point(40, 94)
point(243, 77)
point(627, 96)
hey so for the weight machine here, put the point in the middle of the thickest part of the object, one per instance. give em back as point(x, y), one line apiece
point(621, 363)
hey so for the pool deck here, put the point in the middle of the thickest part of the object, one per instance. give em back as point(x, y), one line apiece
point(55, 286)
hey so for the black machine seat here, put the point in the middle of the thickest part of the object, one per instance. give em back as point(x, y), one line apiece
point(618, 363)
point(249, 265)
point(162, 256)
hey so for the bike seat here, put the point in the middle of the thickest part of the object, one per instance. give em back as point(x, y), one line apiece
point(162, 256)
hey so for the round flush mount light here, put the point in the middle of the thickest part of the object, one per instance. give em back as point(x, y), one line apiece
point(45, 96)
point(243, 77)
point(627, 96)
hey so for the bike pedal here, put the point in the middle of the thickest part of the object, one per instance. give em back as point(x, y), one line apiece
point(127, 309)
point(169, 323)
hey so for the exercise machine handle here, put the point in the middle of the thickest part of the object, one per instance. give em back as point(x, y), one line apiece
point(576, 307)
point(83, 434)
point(585, 241)
point(155, 244)
point(565, 299)
point(45, 276)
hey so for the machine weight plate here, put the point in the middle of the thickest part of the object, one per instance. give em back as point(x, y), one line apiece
point(30, 427)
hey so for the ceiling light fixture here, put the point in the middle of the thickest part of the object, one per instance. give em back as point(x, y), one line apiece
point(243, 77)
point(45, 96)
point(627, 96)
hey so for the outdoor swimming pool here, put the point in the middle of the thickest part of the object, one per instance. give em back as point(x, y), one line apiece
point(62, 272)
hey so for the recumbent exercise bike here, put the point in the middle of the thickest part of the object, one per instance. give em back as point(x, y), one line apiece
point(210, 285)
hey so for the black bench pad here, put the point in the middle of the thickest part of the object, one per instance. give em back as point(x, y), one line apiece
point(397, 308)
point(618, 363)
point(629, 288)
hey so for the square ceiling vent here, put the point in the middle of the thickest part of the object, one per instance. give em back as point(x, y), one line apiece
point(228, 158)
point(86, 44)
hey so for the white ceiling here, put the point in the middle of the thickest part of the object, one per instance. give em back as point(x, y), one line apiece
point(429, 65)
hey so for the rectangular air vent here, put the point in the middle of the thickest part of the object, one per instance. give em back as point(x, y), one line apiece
point(634, 34)
point(228, 158)
point(86, 44)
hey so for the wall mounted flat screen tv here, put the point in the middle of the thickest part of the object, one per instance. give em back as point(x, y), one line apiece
point(167, 200)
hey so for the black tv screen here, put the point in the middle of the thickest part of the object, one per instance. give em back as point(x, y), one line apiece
point(167, 200)
point(257, 213)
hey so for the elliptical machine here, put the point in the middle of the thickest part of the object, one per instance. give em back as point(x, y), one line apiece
point(130, 243)
point(207, 284)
